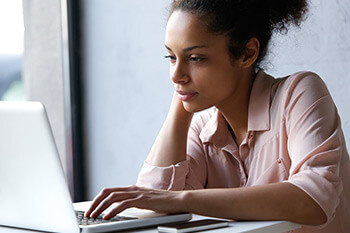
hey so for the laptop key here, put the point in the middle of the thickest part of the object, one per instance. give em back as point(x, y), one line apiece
point(82, 220)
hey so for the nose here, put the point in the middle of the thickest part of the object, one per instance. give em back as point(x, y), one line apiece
point(179, 74)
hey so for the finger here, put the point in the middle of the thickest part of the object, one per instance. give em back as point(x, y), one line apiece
point(121, 207)
point(112, 198)
point(100, 208)
point(105, 192)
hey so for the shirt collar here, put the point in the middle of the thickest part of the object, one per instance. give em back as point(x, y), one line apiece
point(216, 129)
point(259, 103)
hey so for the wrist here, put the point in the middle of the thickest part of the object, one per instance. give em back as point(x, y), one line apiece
point(178, 109)
point(185, 199)
point(178, 117)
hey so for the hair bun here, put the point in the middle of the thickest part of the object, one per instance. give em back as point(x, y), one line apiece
point(282, 13)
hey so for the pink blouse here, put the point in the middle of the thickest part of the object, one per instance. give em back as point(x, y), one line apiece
point(294, 135)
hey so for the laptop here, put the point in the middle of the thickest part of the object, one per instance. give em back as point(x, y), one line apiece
point(33, 190)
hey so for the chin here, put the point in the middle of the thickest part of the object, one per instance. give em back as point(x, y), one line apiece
point(193, 108)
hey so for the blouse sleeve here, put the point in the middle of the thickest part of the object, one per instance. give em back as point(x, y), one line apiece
point(314, 141)
point(185, 175)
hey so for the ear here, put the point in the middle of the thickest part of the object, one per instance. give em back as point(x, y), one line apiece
point(251, 52)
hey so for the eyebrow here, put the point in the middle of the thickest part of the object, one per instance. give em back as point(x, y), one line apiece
point(189, 48)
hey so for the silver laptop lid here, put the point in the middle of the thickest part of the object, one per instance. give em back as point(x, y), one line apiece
point(33, 193)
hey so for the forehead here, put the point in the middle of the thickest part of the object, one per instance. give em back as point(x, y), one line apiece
point(186, 29)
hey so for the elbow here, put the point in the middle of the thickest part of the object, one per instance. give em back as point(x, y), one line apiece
point(307, 211)
point(313, 215)
point(317, 219)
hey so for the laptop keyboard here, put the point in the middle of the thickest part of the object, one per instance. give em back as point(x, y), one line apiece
point(82, 220)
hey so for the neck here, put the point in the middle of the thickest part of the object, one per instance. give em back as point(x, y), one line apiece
point(235, 108)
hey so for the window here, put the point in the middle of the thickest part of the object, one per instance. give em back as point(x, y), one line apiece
point(11, 50)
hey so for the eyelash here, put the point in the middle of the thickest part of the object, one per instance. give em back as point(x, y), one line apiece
point(170, 57)
point(194, 59)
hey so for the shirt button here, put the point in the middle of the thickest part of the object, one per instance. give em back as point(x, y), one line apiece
point(279, 161)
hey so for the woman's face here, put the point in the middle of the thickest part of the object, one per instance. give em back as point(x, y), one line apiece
point(203, 73)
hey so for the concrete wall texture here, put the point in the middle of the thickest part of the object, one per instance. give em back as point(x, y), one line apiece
point(42, 63)
point(128, 90)
point(126, 87)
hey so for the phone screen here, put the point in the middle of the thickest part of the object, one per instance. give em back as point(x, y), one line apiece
point(193, 225)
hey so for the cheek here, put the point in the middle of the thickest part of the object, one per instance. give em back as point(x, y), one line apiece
point(217, 85)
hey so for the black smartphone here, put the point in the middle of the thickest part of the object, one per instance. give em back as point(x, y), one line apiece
point(191, 226)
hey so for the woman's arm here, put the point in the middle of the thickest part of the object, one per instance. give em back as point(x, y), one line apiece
point(170, 146)
point(279, 201)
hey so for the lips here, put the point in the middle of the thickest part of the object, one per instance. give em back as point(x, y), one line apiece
point(186, 95)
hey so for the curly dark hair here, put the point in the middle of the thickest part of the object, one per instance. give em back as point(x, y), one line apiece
point(241, 20)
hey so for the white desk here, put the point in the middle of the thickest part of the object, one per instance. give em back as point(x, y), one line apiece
point(241, 226)
point(235, 227)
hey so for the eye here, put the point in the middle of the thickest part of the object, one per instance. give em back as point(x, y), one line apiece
point(170, 57)
point(196, 59)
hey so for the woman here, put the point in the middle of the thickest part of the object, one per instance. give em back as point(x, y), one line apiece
point(264, 149)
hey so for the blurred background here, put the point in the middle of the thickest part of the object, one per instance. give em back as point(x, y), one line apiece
point(99, 68)
point(11, 50)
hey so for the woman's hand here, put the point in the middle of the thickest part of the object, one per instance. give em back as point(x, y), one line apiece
point(177, 108)
point(134, 196)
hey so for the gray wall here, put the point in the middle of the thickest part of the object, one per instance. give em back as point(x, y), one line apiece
point(42, 70)
point(322, 45)
point(126, 87)
point(128, 90)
